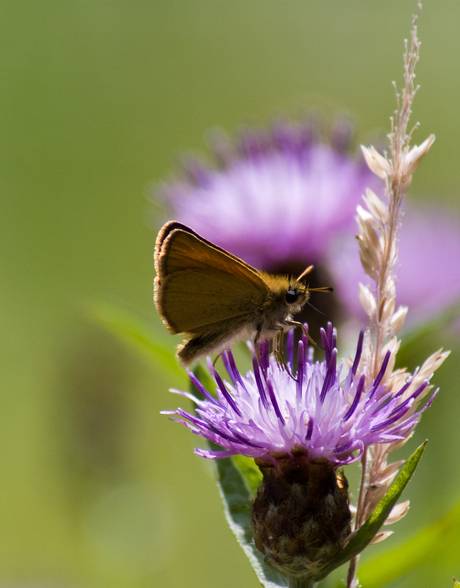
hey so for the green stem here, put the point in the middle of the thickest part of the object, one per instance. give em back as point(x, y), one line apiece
point(303, 582)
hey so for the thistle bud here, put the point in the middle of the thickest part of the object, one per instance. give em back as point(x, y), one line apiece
point(301, 515)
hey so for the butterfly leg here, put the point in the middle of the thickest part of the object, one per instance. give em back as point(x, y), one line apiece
point(278, 347)
point(217, 357)
point(305, 332)
point(280, 355)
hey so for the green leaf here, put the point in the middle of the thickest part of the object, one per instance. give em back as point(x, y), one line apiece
point(249, 471)
point(238, 478)
point(370, 528)
point(138, 332)
point(236, 495)
point(425, 545)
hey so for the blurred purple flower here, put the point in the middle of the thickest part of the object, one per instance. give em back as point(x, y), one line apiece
point(429, 280)
point(282, 199)
point(321, 412)
point(279, 197)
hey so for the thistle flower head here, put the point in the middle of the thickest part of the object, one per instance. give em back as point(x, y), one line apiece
point(278, 197)
point(326, 411)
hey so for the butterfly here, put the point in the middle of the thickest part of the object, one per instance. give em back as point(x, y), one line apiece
point(216, 299)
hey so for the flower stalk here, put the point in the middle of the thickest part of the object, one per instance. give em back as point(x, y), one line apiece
point(379, 228)
point(301, 583)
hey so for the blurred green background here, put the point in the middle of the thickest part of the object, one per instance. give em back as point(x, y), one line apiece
point(97, 101)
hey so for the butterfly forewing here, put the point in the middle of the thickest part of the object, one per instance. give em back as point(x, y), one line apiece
point(192, 285)
point(179, 248)
point(208, 298)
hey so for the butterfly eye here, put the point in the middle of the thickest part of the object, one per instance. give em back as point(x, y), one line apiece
point(291, 296)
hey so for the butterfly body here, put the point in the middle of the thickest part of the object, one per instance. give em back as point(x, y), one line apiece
point(215, 298)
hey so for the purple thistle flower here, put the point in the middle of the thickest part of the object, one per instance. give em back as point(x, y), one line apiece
point(282, 199)
point(278, 199)
point(321, 412)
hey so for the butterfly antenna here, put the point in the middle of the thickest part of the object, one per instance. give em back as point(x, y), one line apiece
point(322, 289)
point(305, 272)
